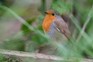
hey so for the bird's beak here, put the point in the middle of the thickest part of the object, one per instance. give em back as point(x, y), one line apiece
point(46, 13)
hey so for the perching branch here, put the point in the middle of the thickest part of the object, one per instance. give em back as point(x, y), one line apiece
point(36, 55)
point(31, 55)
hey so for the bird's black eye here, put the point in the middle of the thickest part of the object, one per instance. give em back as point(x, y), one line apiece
point(53, 14)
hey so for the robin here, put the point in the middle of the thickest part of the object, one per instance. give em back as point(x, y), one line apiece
point(55, 26)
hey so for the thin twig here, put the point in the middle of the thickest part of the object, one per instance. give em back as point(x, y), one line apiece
point(85, 24)
point(38, 55)
point(27, 54)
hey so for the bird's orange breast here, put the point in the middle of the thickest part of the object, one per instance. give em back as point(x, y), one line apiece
point(47, 22)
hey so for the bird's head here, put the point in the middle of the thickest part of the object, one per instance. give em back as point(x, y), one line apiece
point(48, 19)
point(50, 12)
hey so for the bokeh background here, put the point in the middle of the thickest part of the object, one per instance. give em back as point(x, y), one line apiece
point(21, 30)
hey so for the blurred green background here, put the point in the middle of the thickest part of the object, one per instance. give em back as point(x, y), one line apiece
point(21, 30)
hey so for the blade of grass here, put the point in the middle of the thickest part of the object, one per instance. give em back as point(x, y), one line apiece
point(23, 21)
point(74, 20)
point(85, 24)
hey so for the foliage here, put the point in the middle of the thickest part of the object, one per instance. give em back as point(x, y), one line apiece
point(33, 37)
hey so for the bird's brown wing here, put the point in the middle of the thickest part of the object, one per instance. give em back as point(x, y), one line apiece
point(62, 26)
point(69, 22)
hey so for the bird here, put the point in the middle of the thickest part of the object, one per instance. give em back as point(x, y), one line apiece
point(55, 26)
point(58, 31)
